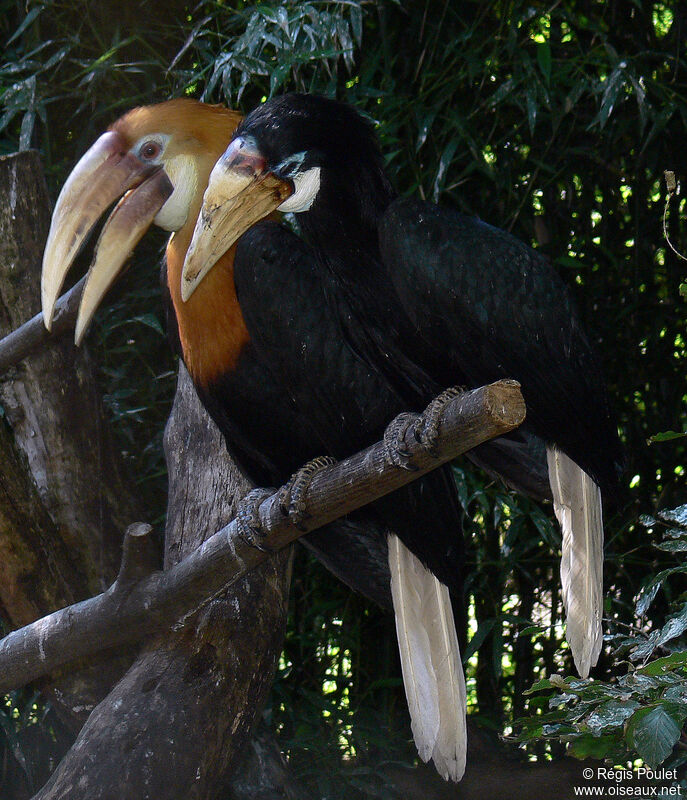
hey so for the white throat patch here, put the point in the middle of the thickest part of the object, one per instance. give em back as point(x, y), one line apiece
point(307, 186)
point(182, 172)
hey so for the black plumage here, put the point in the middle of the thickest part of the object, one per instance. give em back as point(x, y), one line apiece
point(501, 310)
point(430, 297)
point(298, 391)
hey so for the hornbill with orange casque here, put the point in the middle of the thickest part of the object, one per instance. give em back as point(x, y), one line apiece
point(429, 298)
point(269, 362)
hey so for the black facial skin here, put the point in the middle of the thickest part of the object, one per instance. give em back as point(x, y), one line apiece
point(319, 132)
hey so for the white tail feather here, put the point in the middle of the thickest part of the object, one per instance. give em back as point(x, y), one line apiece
point(577, 503)
point(430, 659)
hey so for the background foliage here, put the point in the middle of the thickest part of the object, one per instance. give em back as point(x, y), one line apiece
point(555, 121)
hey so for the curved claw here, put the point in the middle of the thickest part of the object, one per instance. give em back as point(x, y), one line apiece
point(293, 497)
point(248, 520)
point(427, 429)
point(395, 452)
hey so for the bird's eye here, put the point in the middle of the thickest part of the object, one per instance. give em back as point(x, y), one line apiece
point(290, 166)
point(150, 150)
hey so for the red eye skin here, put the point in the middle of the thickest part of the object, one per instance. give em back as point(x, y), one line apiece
point(150, 150)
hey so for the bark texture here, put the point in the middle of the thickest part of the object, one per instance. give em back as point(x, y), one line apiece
point(51, 400)
point(175, 725)
point(65, 498)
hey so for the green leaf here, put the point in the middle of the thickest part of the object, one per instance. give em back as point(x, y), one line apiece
point(357, 23)
point(444, 163)
point(675, 516)
point(547, 530)
point(480, 635)
point(26, 132)
point(675, 627)
point(28, 19)
point(544, 60)
point(640, 94)
point(661, 665)
point(666, 436)
point(676, 546)
point(675, 533)
point(501, 93)
point(532, 630)
point(653, 733)
point(277, 77)
point(589, 746)
point(425, 125)
point(648, 592)
point(676, 694)
point(613, 87)
point(151, 321)
point(539, 686)
point(611, 714)
point(531, 103)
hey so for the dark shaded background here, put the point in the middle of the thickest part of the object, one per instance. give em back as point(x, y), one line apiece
point(555, 121)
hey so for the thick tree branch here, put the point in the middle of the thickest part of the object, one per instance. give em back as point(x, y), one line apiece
point(27, 338)
point(158, 601)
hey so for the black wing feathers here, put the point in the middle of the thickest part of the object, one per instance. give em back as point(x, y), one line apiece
point(494, 308)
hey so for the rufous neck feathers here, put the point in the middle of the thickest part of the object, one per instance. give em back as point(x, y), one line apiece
point(212, 330)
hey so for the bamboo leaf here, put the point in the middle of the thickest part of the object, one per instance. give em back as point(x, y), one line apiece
point(28, 20)
point(544, 60)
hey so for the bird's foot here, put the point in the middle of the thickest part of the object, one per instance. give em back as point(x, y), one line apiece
point(250, 527)
point(395, 452)
point(292, 498)
point(427, 428)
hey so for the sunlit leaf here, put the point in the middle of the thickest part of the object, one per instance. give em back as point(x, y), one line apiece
point(675, 516)
point(611, 714)
point(613, 86)
point(666, 436)
point(661, 665)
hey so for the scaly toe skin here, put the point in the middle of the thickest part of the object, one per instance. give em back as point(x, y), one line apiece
point(427, 429)
point(293, 497)
point(248, 519)
point(395, 453)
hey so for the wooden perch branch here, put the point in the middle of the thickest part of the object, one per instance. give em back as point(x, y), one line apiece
point(26, 339)
point(130, 610)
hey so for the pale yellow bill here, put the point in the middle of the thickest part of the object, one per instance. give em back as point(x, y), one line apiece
point(102, 176)
point(125, 227)
point(235, 199)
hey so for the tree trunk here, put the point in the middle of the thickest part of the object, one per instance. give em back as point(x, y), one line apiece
point(65, 497)
point(52, 401)
point(176, 723)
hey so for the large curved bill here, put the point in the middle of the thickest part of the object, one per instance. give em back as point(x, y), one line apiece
point(127, 223)
point(239, 194)
point(102, 176)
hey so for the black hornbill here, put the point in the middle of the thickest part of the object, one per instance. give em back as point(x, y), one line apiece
point(270, 364)
point(430, 298)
